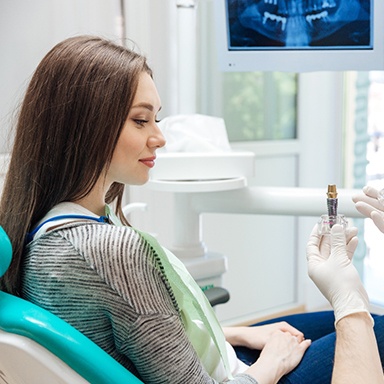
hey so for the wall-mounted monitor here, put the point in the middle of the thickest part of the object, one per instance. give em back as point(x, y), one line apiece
point(300, 35)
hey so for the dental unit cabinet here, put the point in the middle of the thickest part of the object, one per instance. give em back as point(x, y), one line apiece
point(186, 175)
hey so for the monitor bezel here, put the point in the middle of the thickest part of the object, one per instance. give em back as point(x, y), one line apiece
point(300, 60)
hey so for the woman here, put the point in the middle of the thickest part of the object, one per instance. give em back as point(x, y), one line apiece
point(87, 126)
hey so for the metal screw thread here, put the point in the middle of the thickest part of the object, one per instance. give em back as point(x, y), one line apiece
point(332, 207)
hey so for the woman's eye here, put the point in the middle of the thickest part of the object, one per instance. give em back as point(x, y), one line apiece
point(140, 122)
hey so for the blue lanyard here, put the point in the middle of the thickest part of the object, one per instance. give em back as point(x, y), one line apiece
point(30, 235)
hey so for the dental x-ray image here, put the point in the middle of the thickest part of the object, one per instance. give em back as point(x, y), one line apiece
point(300, 24)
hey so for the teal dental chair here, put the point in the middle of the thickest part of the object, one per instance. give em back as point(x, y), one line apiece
point(37, 347)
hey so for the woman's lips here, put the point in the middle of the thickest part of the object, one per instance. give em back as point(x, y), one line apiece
point(149, 162)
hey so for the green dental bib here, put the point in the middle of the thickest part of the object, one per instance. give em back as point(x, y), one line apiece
point(200, 322)
point(199, 319)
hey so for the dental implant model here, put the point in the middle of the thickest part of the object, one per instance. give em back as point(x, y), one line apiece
point(332, 203)
point(328, 221)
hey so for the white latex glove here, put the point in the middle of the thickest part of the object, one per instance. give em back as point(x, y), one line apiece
point(331, 269)
point(368, 204)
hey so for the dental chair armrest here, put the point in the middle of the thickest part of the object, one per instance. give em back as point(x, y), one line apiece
point(217, 295)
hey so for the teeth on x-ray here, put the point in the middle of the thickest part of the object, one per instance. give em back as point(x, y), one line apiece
point(317, 16)
point(278, 19)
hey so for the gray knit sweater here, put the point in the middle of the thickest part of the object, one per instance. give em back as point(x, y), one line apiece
point(105, 281)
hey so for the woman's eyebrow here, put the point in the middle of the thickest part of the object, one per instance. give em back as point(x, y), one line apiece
point(148, 106)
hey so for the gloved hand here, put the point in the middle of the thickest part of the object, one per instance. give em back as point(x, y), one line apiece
point(331, 269)
point(368, 204)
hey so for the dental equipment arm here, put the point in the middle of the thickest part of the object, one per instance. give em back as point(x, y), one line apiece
point(370, 204)
point(290, 201)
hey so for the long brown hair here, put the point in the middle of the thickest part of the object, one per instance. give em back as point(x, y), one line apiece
point(70, 120)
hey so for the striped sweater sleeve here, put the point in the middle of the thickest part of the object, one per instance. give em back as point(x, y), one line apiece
point(106, 282)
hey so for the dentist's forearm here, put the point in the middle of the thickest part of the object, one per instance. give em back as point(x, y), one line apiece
point(356, 357)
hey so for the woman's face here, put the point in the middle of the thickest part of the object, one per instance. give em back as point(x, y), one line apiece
point(135, 151)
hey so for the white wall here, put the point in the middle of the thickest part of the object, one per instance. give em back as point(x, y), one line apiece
point(29, 29)
point(152, 24)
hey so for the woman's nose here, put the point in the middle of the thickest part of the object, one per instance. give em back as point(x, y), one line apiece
point(157, 139)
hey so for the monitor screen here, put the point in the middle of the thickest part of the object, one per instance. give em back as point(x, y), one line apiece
point(300, 35)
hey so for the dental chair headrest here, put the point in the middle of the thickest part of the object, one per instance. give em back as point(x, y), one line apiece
point(5, 252)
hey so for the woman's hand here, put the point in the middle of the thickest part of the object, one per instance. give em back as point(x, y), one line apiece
point(282, 353)
point(256, 337)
